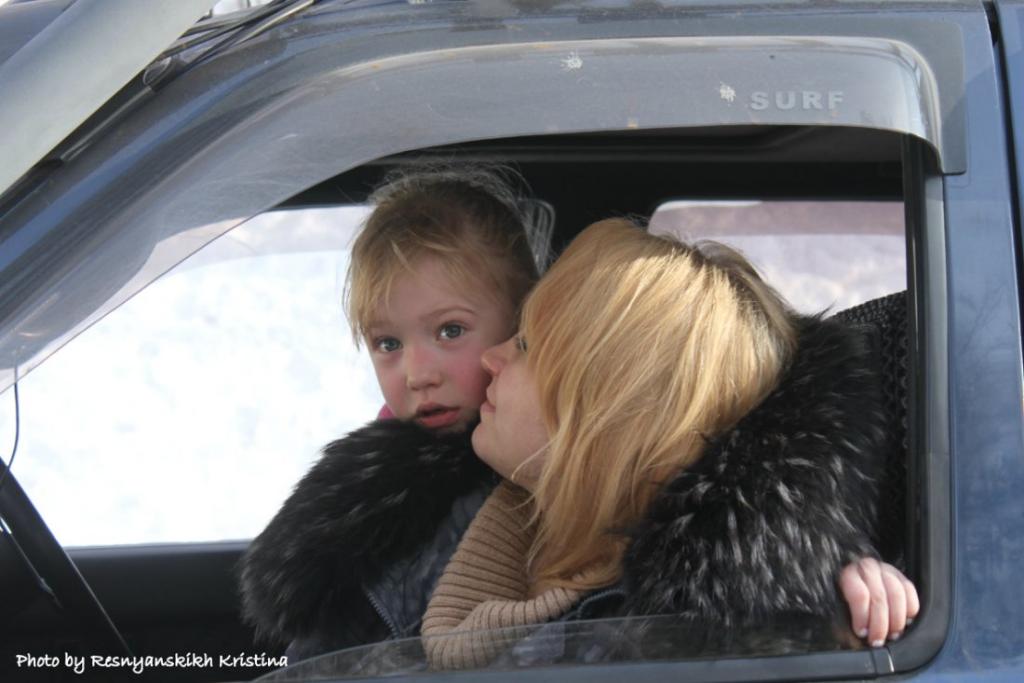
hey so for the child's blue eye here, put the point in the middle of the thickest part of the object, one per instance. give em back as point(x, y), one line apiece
point(387, 344)
point(451, 331)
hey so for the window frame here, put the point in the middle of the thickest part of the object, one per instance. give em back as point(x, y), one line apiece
point(929, 470)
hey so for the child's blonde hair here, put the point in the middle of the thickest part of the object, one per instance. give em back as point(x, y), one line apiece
point(643, 348)
point(467, 218)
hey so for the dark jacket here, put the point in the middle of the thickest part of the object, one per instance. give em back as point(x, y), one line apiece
point(755, 532)
point(354, 552)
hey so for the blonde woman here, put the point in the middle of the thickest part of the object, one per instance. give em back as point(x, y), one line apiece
point(672, 440)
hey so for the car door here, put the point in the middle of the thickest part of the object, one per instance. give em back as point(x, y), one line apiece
point(319, 103)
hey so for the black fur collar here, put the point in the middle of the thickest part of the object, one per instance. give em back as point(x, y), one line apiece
point(777, 505)
point(370, 500)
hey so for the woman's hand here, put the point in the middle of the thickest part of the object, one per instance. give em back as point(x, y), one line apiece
point(882, 601)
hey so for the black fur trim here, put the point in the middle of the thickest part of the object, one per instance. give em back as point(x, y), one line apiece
point(369, 501)
point(762, 523)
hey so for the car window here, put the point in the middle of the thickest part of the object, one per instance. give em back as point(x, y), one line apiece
point(820, 255)
point(220, 381)
point(188, 413)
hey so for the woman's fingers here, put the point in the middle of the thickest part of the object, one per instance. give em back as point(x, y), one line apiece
point(870, 571)
point(882, 600)
point(913, 603)
point(897, 600)
point(857, 597)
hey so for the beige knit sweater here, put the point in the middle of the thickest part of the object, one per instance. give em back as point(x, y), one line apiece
point(485, 586)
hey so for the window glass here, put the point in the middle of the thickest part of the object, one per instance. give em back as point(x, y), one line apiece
point(584, 642)
point(818, 254)
point(188, 413)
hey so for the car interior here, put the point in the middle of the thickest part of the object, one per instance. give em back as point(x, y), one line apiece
point(177, 598)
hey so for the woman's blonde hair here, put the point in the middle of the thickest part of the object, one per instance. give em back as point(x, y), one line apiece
point(467, 217)
point(643, 348)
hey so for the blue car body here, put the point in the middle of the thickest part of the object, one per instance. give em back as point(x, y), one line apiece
point(200, 142)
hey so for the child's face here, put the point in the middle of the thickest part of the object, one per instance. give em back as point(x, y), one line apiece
point(426, 343)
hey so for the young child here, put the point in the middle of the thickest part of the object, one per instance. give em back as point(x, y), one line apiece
point(436, 277)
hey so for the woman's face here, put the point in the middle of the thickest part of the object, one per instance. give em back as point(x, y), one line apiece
point(511, 436)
